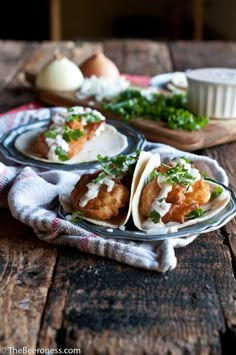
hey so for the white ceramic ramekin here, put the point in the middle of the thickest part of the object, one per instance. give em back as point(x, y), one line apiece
point(212, 92)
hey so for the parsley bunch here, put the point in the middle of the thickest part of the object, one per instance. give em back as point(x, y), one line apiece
point(132, 103)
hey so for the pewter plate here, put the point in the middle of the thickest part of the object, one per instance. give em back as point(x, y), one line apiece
point(135, 140)
point(131, 233)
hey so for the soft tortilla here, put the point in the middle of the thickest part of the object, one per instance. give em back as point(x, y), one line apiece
point(115, 222)
point(210, 209)
point(109, 142)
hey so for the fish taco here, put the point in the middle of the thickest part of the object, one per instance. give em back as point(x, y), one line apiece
point(174, 195)
point(104, 197)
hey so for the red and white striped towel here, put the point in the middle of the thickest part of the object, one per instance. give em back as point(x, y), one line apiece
point(32, 197)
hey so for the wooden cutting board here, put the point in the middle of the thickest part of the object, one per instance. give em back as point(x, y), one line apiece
point(215, 133)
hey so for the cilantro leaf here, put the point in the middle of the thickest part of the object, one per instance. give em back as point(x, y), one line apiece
point(76, 216)
point(120, 165)
point(153, 174)
point(90, 117)
point(160, 200)
point(70, 134)
point(72, 117)
point(195, 213)
point(177, 175)
point(50, 133)
point(216, 192)
point(61, 153)
point(154, 216)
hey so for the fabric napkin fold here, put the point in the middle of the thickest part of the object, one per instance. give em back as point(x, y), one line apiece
point(32, 197)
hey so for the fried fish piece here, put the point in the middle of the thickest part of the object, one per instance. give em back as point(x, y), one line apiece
point(41, 147)
point(200, 193)
point(152, 190)
point(75, 145)
point(106, 204)
point(183, 200)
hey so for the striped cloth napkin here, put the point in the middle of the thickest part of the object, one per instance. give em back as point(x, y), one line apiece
point(32, 197)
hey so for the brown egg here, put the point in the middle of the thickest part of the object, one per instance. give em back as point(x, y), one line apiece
point(99, 65)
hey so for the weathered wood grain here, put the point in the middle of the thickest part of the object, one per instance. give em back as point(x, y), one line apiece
point(115, 309)
point(26, 267)
point(139, 57)
point(191, 55)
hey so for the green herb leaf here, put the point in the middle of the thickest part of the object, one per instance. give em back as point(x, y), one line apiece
point(216, 192)
point(177, 175)
point(153, 174)
point(185, 159)
point(71, 135)
point(120, 165)
point(195, 213)
point(76, 216)
point(50, 133)
point(133, 103)
point(90, 117)
point(154, 216)
point(72, 118)
point(61, 153)
point(160, 200)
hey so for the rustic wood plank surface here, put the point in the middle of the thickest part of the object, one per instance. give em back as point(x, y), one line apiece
point(58, 297)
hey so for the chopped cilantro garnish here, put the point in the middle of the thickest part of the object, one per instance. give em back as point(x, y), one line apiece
point(70, 109)
point(195, 213)
point(76, 216)
point(216, 192)
point(90, 117)
point(50, 133)
point(177, 175)
point(154, 216)
point(61, 153)
point(185, 159)
point(72, 117)
point(153, 174)
point(116, 166)
point(86, 117)
point(160, 200)
point(71, 135)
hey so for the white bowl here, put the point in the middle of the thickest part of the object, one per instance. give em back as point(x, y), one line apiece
point(212, 92)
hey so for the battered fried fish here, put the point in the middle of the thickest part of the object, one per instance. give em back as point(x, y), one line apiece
point(68, 132)
point(102, 200)
point(179, 198)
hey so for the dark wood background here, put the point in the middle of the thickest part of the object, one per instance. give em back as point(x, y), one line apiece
point(58, 297)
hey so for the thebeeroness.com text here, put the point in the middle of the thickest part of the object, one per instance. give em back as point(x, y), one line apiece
point(25, 350)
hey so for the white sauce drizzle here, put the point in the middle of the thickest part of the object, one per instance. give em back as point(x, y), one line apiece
point(94, 188)
point(58, 123)
point(161, 206)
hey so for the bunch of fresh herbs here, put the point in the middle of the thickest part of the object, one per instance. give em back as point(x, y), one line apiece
point(133, 103)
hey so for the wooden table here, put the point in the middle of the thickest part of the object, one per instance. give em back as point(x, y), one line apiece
point(58, 297)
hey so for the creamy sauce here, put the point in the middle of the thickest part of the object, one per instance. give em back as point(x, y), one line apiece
point(110, 142)
point(58, 125)
point(93, 190)
point(160, 205)
point(53, 144)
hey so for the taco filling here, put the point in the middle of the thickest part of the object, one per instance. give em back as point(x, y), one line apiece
point(106, 194)
point(67, 133)
point(173, 194)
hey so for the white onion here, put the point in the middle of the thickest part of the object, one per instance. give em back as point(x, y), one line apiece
point(60, 74)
